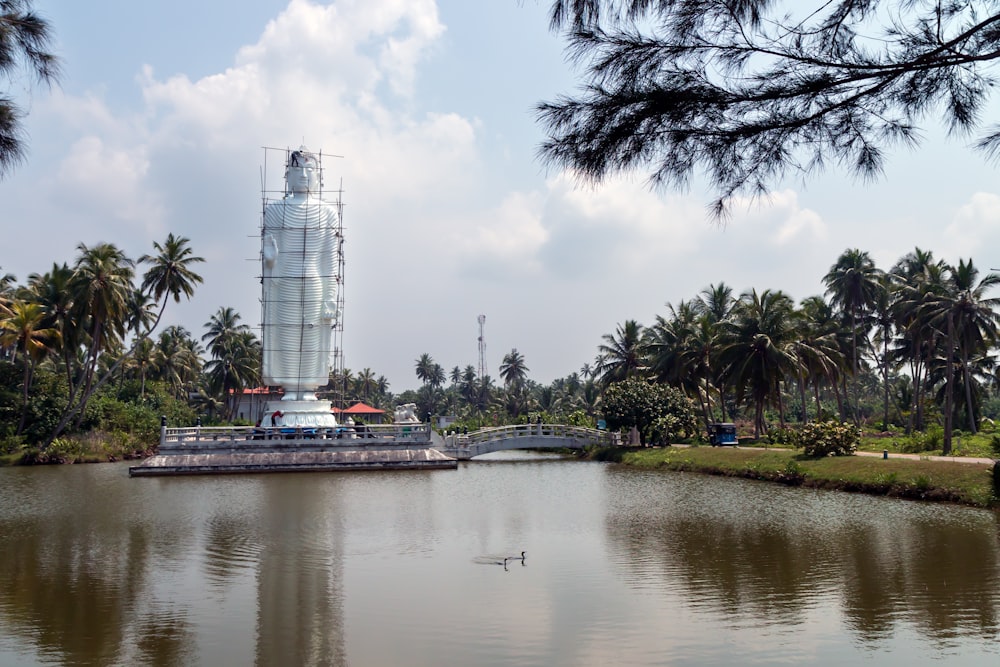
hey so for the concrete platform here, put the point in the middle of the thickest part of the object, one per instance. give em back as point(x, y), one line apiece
point(227, 450)
point(292, 461)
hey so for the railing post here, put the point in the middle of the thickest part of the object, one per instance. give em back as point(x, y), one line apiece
point(163, 430)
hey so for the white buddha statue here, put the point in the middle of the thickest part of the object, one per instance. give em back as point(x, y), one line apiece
point(300, 246)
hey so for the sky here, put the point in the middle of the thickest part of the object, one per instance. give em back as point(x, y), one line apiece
point(163, 111)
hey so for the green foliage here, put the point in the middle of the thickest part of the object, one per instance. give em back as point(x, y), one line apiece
point(45, 406)
point(928, 441)
point(12, 444)
point(659, 412)
point(65, 449)
point(786, 437)
point(995, 444)
point(829, 439)
point(578, 418)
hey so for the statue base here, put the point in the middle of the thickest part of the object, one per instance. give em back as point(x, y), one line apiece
point(293, 414)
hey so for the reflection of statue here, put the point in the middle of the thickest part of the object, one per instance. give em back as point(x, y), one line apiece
point(300, 246)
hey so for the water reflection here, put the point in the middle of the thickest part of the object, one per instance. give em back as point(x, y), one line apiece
point(75, 580)
point(624, 567)
point(758, 554)
point(299, 581)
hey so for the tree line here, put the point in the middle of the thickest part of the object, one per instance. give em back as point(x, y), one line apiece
point(85, 328)
point(911, 345)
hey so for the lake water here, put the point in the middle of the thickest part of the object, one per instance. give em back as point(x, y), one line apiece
point(369, 569)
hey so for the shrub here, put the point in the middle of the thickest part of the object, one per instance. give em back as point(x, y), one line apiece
point(783, 436)
point(829, 439)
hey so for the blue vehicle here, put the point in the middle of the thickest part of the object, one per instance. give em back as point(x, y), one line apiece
point(722, 434)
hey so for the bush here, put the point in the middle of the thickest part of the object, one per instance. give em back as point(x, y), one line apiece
point(659, 412)
point(829, 439)
point(783, 436)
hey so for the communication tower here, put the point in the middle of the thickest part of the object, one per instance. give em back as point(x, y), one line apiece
point(482, 347)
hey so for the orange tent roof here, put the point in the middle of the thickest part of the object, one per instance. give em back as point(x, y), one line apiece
point(360, 409)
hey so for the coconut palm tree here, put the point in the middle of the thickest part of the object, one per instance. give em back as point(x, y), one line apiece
point(755, 349)
point(24, 331)
point(101, 287)
point(236, 353)
point(364, 384)
point(621, 354)
point(513, 369)
point(142, 361)
point(425, 368)
point(170, 273)
point(815, 347)
point(919, 280)
point(177, 359)
point(853, 284)
point(969, 321)
point(678, 349)
point(24, 40)
point(53, 290)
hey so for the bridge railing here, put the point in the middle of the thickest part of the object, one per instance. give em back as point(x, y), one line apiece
point(197, 436)
point(515, 431)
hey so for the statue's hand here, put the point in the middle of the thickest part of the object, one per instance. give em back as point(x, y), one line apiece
point(330, 313)
point(270, 249)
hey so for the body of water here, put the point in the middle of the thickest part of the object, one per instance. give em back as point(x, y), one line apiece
point(369, 569)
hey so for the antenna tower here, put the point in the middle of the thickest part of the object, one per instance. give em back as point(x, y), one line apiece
point(482, 346)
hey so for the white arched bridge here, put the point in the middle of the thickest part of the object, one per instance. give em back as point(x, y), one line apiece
point(520, 436)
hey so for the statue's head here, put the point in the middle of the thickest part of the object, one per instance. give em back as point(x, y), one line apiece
point(302, 172)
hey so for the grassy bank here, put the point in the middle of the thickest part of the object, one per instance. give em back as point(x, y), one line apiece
point(92, 447)
point(965, 483)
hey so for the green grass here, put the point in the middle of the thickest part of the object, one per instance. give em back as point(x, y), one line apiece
point(975, 446)
point(966, 483)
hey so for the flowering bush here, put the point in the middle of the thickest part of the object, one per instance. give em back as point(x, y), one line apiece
point(829, 439)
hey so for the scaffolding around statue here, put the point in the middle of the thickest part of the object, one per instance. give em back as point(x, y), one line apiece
point(302, 296)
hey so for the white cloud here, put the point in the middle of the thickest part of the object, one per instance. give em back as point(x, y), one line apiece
point(975, 226)
point(110, 181)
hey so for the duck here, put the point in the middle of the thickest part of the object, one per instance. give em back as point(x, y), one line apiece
point(521, 557)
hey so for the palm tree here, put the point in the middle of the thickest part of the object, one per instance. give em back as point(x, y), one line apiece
point(679, 349)
point(235, 354)
point(919, 279)
point(101, 287)
point(24, 331)
point(969, 321)
point(364, 384)
point(884, 321)
point(425, 368)
point(755, 349)
point(170, 272)
point(142, 361)
point(177, 359)
point(513, 370)
point(815, 347)
point(820, 355)
point(53, 290)
point(24, 38)
point(621, 354)
point(853, 284)
point(717, 302)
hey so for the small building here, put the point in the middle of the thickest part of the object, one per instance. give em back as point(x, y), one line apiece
point(250, 403)
point(360, 412)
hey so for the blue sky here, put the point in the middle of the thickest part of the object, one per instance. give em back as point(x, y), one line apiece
point(159, 121)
